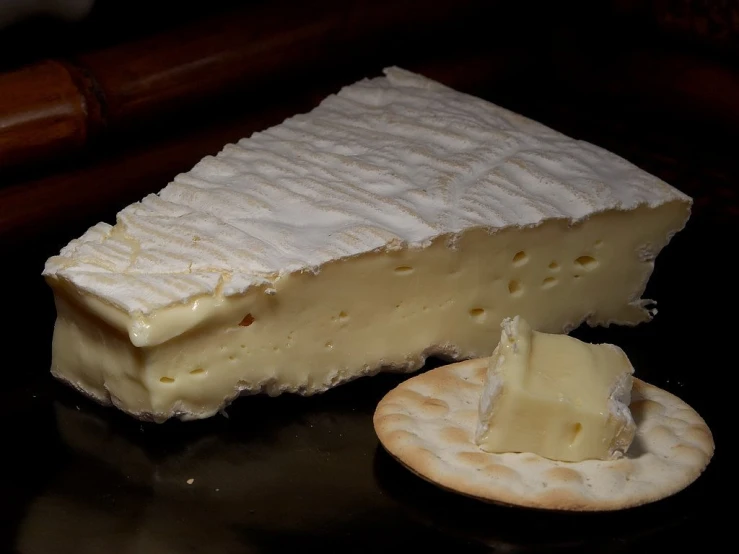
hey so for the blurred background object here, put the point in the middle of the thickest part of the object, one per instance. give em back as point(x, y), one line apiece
point(12, 11)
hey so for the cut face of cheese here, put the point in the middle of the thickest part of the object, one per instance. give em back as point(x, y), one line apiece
point(555, 396)
point(397, 220)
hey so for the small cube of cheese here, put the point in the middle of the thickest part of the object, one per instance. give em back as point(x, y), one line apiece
point(555, 396)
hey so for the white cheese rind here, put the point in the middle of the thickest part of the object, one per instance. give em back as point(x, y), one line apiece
point(387, 162)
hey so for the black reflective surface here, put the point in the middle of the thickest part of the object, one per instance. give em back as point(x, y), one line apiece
point(288, 473)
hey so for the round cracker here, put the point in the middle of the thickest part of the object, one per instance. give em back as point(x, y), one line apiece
point(427, 423)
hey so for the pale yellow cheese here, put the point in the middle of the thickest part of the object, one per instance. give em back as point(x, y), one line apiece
point(397, 220)
point(381, 310)
point(555, 396)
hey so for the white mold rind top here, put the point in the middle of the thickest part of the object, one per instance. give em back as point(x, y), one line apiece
point(390, 161)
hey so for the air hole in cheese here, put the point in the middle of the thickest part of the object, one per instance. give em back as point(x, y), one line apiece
point(404, 270)
point(548, 282)
point(197, 371)
point(554, 266)
point(478, 314)
point(167, 380)
point(247, 320)
point(515, 288)
point(576, 430)
point(520, 258)
point(586, 262)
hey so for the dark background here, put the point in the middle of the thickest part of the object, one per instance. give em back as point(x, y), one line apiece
point(165, 83)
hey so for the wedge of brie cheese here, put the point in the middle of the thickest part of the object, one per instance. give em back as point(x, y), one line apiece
point(555, 396)
point(397, 220)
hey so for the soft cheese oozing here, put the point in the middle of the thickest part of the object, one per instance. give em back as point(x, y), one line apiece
point(398, 219)
point(555, 396)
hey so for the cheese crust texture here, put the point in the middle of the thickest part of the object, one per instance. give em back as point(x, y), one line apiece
point(398, 219)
